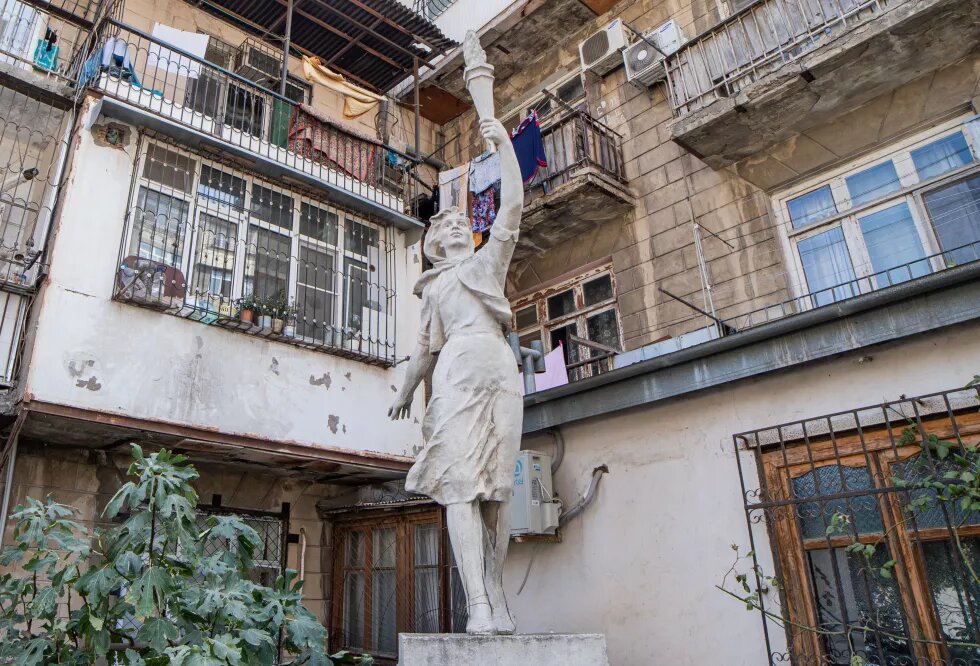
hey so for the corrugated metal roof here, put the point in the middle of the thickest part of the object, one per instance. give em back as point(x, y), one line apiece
point(372, 41)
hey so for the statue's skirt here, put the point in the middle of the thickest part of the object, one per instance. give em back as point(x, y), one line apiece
point(472, 425)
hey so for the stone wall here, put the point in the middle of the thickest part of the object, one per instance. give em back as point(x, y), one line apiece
point(87, 478)
point(654, 247)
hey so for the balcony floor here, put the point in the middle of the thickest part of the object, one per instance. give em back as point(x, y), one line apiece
point(589, 199)
point(908, 40)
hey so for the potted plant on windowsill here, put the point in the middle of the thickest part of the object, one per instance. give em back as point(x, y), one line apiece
point(281, 310)
point(289, 317)
point(263, 309)
point(247, 306)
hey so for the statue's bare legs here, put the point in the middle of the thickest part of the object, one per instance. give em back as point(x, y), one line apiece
point(480, 534)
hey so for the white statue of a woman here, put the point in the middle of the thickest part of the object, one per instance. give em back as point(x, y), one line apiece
point(472, 425)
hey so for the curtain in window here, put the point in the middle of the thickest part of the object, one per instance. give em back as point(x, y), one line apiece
point(812, 206)
point(940, 156)
point(955, 214)
point(384, 634)
point(873, 183)
point(427, 606)
point(894, 246)
point(827, 265)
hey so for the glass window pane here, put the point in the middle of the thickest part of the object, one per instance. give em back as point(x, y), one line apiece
point(871, 607)
point(169, 168)
point(318, 223)
point(827, 267)
point(273, 207)
point(598, 290)
point(315, 295)
point(159, 223)
point(222, 187)
point(427, 544)
point(457, 597)
point(603, 328)
point(384, 636)
point(561, 304)
point(427, 607)
point(356, 285)
point(244, 110)
point(893, 245)
point(355, 549)
point(955, 214)
point(562, 336)
point(528, 338)
point(354, 609)
point(266, 263)
point(873, 183)
point(933, 513)
point(941, 156)
point(214, 263)
point(811, 207)
point(831, 480)
point(359, 237)
point(955, 592)
point(527, 316)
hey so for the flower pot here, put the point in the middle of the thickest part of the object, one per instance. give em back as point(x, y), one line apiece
point(265, 321)
point(277, 326)
point(246, 316)
point(289, 330)
point(337, 338)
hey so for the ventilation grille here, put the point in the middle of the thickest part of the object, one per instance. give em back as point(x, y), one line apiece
point(596, 47)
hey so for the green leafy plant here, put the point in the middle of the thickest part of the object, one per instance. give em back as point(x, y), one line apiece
point(281, 308)
point(249, 302)
point(144, 593)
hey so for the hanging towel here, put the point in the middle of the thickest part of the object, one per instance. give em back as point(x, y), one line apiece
point(484, 210)
point(555, 372)
point(357, 100)
point(529, 147)
point(452, 187)
point(160, 57)
point(484, 172)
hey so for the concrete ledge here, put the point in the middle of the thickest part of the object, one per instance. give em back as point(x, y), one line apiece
point(519, 650)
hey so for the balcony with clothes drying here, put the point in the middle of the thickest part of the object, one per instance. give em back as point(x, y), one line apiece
point(776, 68)
point(246, 104)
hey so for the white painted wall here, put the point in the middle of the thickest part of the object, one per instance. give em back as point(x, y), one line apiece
point(93, 353)
point(641, 564)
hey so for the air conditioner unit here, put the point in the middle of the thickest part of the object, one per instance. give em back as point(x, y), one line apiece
point(600, 52)
point(533, 509)
point(258, 63)
point(644, 64)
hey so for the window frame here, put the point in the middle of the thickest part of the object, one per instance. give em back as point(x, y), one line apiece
point(911, 190)
point(404, 520)
point(244, 218)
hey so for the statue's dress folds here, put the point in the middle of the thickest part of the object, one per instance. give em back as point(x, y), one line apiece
point(472, 425)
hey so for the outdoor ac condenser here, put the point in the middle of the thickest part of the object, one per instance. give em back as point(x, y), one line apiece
point(600, 53)
point(644, 65)
point(533, 510)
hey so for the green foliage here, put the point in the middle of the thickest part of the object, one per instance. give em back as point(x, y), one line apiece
point(249, 302)
point(144, 593)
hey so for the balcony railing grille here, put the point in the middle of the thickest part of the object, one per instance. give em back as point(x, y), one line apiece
point(133, 67)
point(757, 41)
point(202, 234)
point(575, 141)
point(874, 552)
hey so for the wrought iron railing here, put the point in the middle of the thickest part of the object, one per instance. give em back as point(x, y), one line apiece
point(133, 67)
point(912, 270)
point(37, 38)
point(588, 358)
point(212, 243)
point(574, 141)
point(873, 526)
point(755, 42)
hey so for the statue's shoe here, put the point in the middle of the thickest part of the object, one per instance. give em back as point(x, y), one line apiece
point(480, 622)
point(503, 622)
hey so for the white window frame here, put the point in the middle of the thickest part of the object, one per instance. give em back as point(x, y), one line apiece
point(245, 218)
point(847, 216)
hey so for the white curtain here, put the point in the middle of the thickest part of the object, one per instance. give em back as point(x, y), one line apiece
point(827, 266)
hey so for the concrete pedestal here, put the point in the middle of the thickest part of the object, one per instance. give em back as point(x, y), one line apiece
point(517, 650)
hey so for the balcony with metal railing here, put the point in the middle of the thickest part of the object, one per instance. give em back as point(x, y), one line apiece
point(152, 84)
point(583, 186)
point(778, 67)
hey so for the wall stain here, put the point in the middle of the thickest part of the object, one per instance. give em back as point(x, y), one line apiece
point(416, 449)
point(323, 381)
point(347, 376)
point(274, 366)
point(199, 341)
point(76, 371)
point(394, 389)
point(91, 383)
point(332, 423)
point(344, 428)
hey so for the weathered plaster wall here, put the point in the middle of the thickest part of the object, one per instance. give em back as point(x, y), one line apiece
point(654, 246)
point(97, 354)
point(86, 479)
point(642, 563)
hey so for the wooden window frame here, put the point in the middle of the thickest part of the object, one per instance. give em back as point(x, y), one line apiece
point(878, 450)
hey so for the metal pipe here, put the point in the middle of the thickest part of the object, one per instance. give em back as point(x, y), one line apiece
point(285, 47)
point(418, 118)
point(559, 449)
point(587, 499)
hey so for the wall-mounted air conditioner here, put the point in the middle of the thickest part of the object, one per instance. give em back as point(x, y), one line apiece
point(600, 53)
point(644, 64)
point(533, 509)
point(258, 62)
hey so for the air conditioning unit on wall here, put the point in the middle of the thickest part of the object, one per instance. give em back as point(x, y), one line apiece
point(258, 62)
point(644, 64)
point(600, 53)
point(533, 509)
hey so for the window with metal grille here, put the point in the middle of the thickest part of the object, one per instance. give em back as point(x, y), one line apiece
point(871, 561)
point(393, 573)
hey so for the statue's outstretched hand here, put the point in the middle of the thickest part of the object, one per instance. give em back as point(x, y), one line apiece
point(401, 408)
point(494, 131)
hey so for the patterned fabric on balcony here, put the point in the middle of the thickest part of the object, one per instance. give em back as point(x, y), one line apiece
point(315, 137)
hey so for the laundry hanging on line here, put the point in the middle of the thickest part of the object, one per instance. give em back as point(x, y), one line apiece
point(529, 147)
point(484, 184)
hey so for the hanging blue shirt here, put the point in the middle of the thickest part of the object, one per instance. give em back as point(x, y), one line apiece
point(529, 147)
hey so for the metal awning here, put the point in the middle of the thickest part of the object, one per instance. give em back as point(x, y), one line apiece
point(373, 42)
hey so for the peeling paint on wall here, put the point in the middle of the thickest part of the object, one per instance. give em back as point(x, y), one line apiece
point(347, 376)
point(394, 389)
point(323, 381)
point(274, 366)
point(91, 383)
point(332, 423)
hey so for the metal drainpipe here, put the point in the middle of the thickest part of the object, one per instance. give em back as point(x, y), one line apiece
point(285, 50)
point(9, 472)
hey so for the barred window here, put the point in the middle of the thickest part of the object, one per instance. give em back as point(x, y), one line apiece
point(205, 237)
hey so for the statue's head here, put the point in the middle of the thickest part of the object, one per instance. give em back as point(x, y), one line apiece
point(450, 236)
